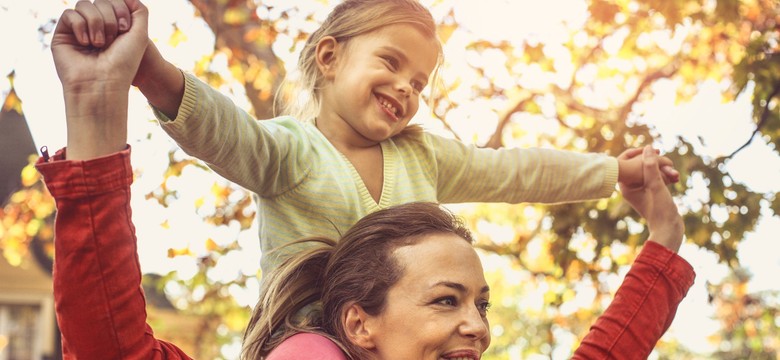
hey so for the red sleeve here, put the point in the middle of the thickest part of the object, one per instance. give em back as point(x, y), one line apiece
point(643, 308)
point(307, 346)
point(100, 306)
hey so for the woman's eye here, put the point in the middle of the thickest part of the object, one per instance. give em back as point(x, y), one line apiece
point(483, 307)
point(448, 300)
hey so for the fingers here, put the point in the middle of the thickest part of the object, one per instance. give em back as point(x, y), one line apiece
point(668, 171)
point(96, 24)
point(140, 19)
point(670, 174)
point(72, 23)
point(138, 12)
point(123, 16)
point(630, 153)
point(110, 24)
point(652, 173)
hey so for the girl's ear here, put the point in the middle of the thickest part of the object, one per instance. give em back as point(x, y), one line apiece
point(358, 326)
point(325, 53)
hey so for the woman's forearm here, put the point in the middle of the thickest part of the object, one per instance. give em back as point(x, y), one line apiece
point(97, 120)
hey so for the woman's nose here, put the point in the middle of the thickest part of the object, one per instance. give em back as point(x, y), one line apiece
point(474, 325)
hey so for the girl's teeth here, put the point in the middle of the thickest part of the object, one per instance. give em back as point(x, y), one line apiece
point(387, 105)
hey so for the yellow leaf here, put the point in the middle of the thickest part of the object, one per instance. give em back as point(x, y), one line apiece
point(178, 252)
point(12, 103)
point(211, 245)
point(177, 37)
point(29, 176)
point(236, 16)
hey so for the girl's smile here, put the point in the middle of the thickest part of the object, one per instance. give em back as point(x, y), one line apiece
point(372, 83)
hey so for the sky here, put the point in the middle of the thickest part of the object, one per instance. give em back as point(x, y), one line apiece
point(721, 127)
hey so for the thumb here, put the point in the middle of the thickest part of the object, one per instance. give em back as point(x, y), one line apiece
point(140, 19)
point(651, 173)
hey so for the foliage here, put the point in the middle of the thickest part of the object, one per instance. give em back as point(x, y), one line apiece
point(586, 91)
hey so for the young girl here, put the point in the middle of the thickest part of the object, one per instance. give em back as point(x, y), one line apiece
point(349, 151)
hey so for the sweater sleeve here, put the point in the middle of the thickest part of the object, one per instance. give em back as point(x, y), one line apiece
point(266, 157)
point(467, 173)
point(99, 302)
point(643, 308)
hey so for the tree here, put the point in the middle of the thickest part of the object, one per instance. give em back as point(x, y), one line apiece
point(589, 89)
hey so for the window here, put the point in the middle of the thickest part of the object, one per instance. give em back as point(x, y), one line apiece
point(19, 327)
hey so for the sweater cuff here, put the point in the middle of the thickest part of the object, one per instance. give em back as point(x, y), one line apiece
point(673, 266)
point(610, 177)
point(187, 102)
point(81, 178)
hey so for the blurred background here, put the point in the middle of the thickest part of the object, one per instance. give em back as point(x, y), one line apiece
point(699, 79)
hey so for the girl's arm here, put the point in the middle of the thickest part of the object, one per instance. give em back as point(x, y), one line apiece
point(161, 82)
point(466, 173)
point(266, 157)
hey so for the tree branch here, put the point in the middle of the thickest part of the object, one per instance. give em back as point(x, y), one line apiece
point(496, 139)
point(761, 123)
point(245, 51)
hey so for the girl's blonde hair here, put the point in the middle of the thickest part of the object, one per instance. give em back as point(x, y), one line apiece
point(331, 276)
point(349, 19)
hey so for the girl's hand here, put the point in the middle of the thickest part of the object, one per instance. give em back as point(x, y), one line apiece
point(654, 202)
point(97, 46)
point(630, 168)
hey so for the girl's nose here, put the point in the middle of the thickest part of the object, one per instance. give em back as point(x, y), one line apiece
point(404, 87)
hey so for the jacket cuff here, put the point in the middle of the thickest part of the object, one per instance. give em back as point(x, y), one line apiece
point(81, 178)
point(673, 266)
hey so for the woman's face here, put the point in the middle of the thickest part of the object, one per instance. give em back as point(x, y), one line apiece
point(437, 309)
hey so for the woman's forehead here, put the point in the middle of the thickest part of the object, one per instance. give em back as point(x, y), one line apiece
point(440, 258)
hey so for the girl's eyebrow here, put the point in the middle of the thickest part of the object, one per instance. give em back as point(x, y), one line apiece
point(401, 56)
point(459, 287)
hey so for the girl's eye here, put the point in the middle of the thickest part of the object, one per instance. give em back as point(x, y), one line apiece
point(418, 86)
point(483, 307)
point(392, 63)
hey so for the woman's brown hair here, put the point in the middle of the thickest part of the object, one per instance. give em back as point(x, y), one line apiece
point(310, 290)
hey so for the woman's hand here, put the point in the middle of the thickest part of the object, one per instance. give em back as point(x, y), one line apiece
point(654, 202)
point(97, 48)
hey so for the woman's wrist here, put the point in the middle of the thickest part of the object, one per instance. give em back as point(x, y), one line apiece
point(669, 234)
point(97, 122)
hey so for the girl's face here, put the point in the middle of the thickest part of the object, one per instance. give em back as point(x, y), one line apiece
point(437, 309)
point(372, 84)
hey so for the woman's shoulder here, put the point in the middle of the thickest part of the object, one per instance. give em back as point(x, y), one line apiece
point(305, 346)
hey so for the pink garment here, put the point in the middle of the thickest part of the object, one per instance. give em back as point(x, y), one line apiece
point(101, 307)
point(307, 346)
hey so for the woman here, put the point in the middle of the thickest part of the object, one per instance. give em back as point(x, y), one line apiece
point(402, 283)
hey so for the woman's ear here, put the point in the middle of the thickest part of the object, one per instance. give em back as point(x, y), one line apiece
point(325, 54)
point(357, 325)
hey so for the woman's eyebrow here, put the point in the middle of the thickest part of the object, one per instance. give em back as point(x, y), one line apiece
point(459, 287)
